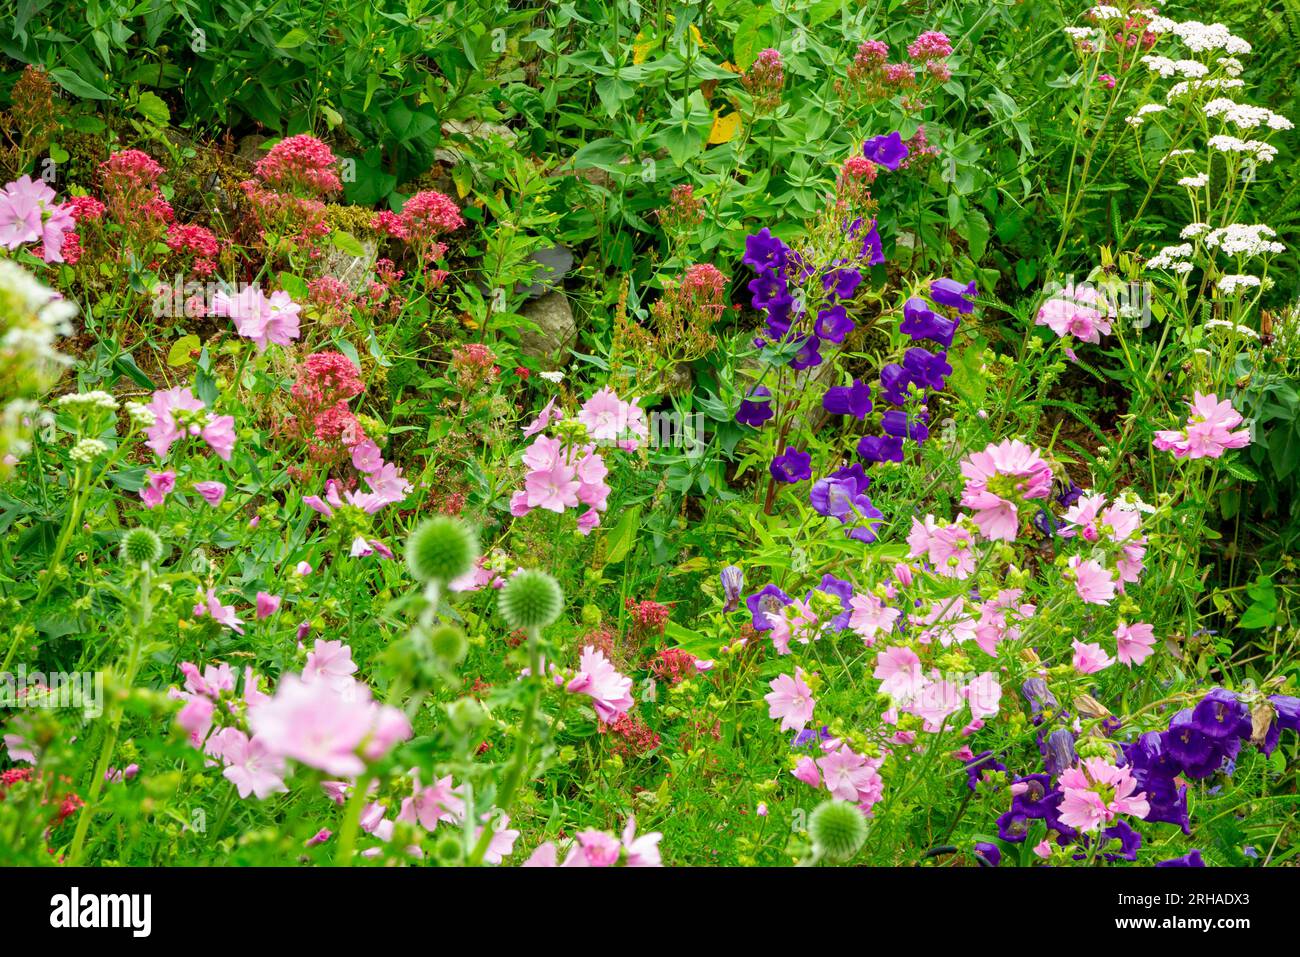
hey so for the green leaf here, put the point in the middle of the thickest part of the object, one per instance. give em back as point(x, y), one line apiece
point(294, 39)
point(75, 85)
point(181, 352)
point(623, 535)
point(153, 109)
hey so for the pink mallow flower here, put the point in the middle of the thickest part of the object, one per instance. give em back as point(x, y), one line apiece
point(29, 214)
point(157, 486)
point(250, 766)
point(1208, 431)
point(263, 319)
point(222, 614)
point(790, 700)
point(1096, 793)
point(998, 481)
point(1093, 583)
point(610, 692)
point(1075, 314)
point(1089, 658)
point(1134, 642)
point(899, 671)
point(177, 413)
point(212, 492)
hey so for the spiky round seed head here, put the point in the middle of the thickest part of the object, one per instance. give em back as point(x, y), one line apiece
point(441, 549)
point(531, 599)
point(838, 829)
point(449, 850)
point(141, 546)
point(449, 644)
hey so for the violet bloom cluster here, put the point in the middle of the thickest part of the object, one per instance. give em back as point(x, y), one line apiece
point(903, 384)
point(1199, 742)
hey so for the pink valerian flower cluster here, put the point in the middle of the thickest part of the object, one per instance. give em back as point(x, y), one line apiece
point(1096, 793)
point(332, 299)
point(610, 692)
point(28, 214)
point(300, 164)
point(764, 80)
point(791, 700)
point(698, 300)
point(326, 383)
point(1208, 432)
point(475, 365)
point(1080, 312)
point(179, 413)
point(853, 187)
point(264, 319)
point(132, 197)
point(999, 481)
point(1115, 532)
point(846, 774)
point(873, 74)
point(684, 211)
point(424, 219)
point(195, 242)
point(598, 849)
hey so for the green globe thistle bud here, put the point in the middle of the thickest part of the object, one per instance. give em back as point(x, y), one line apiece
point(531, 599)
point(838, 829)
point(441, 549)
point(449, 850)
point(141, 546)
point(449, 644)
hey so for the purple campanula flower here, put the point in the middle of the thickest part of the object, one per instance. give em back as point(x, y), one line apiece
point(1013, 826)
point(1069, 493)
point(1129, 841)
point(920, 322)
point(832, 497)
point(881, 448)
point(756, 408)
point(903, 425)
point(733, 584)
point(1221, 714)
point(809, 354)
point(791, 466)
point(976, 766)
point(894, 382)
point(777, 316)
point(1039, 696)
point(869, 519)
point(809, 735)
point(765, 251)
point(949, 292)
point(833, 324)
point(1191, 859)
point(854, 400)
point(1197, 753)
point(873, 250)
point(840, 589)
point(887, 150)
point(842, 283)
point(930, 369)
point(1059, 753)
point(767, 287)
point(1288, 711)
point(767, 601)
point(989, 853)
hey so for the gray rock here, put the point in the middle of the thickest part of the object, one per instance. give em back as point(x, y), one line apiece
point(352, 270)
point(556, 334)
point(556, 261)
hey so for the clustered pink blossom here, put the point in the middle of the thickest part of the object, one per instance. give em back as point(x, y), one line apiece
point(999, 481)
point(197, 242)
point(264, 319)
point(179, 413)
point(1208, 432)
point(1113, 529)
point(425, 217)
point(764, 81)
point(872, 72)
point(949, 548)
point(1096, 793)
point(299, 164)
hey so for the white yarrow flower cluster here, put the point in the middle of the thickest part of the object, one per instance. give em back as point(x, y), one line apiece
point(1244, 116)
point(1195, 182)
point(1264, 152)
point(1229, 284)
point(1175, 259)
point(87, 450)
point(78, 402)
point(1240, 239)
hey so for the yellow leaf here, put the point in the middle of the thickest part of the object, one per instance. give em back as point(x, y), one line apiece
point(695, 32)
point(641, 47)
point(725, 128)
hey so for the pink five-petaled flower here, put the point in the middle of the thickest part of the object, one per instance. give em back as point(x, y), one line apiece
point(870, 617)
point(441, 802)
point(267, 604)
point(177, 413)
point(1092, 582)
point(806, 770)
point(1097, 792)
point(790, 700)
point(330, 663)
point(900, 672)
point(610, 692)
point(212, 492)
point(156, 487)
point(998, 480)
point(29, 214)
point(609, 419)
point(263, 319)
point(850, 777)
point(1134, 642)
point(250, 766)
point(222, 614)
point(1089, 658)
point(1076, 314)
point(1208, 432)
